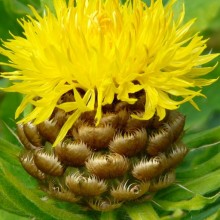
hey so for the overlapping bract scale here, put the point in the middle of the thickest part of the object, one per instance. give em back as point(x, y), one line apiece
point(116, 162)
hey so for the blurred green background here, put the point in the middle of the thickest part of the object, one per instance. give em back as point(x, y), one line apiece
point(208, 24)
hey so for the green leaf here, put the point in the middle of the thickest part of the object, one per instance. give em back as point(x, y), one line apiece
point(211, 211)
point(205, 11)
point(215, 216)
point(8, 205)
point(201, 169)
point(7, 216)
point(20, 6)
point(176, 215)
point(202, 185)
point(196, 203)
point(203, 138)
point(111, 215)
point(28, 201)
point(143, 211)
point(9, 152)
point(22, 194)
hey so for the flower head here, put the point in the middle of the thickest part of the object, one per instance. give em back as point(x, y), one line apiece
point(101, 51)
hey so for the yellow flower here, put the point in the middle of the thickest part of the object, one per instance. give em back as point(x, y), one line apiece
point(108, 50)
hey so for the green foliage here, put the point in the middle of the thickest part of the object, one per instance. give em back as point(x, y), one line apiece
point(206, 12)
point(194, 196)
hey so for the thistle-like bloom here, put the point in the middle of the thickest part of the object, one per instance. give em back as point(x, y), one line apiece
point(102, 50)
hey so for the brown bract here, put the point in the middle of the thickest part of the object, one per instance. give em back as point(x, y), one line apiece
point(48, 163)
point(148, 169)
point(85, 186)
point(73, 153)
point(162, 182)
point(129, 144)
point(177, 154)
point(96, 137)
point(107, 166)
point(126, 191)
point(32, 134)
point(61, 193)
point(119, 160)
point(104, 205)
point(49, 130)
point(27, 161)
point(23, 138)
point(159, 140)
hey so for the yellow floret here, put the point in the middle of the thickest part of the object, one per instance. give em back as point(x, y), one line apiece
point(107, 49)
